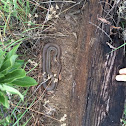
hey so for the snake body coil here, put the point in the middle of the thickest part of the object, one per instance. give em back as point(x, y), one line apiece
point(50, 79)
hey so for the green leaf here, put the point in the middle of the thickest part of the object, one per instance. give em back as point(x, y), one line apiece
point(1, 75)
point(1, 53)
point(4, 99)
point(8, 78)
point(1, 57)
point(11, 90)
point(20, 62)
point(12, 52)
point(25, 82)
point(15, 67)
point(8, 64)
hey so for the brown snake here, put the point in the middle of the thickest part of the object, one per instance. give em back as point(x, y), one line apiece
point(48, 48)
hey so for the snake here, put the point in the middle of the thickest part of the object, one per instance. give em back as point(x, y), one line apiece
point(47, 69)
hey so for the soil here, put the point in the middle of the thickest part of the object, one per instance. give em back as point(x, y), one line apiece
point(67, 26)
point(57, 104)
point(59, 101)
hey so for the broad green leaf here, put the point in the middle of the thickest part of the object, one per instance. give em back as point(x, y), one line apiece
point(12, 52)
point(5, 66)
point(12, 59)
point(25, 82)
point(20, 62)
point(11, 90)
point(15, 67)
point(8, 64)
point(1, 75)
point(3, 99)
point(1, 53)
point(8, 78)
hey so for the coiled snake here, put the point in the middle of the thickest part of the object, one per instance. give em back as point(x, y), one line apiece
point(51, 78)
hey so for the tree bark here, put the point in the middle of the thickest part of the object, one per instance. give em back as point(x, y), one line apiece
point(97, 98)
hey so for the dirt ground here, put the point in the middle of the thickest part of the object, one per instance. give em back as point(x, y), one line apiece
point(55, 106)
point(59, 101)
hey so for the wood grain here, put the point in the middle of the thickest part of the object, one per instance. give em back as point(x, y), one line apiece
point(98, 99)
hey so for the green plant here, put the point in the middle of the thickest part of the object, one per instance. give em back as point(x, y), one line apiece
point(15, 14)
point(12, 74)
point(16, 8)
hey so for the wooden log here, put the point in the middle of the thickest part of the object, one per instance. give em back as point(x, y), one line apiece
point(97, 98)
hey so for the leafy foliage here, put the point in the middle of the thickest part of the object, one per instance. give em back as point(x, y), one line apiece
point(12, 74)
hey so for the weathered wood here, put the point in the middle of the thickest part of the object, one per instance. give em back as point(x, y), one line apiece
point(98, 99)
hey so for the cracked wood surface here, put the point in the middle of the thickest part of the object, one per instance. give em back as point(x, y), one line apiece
point(98, 99)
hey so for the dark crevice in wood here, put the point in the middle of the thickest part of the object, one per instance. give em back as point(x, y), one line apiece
point(98, 99)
